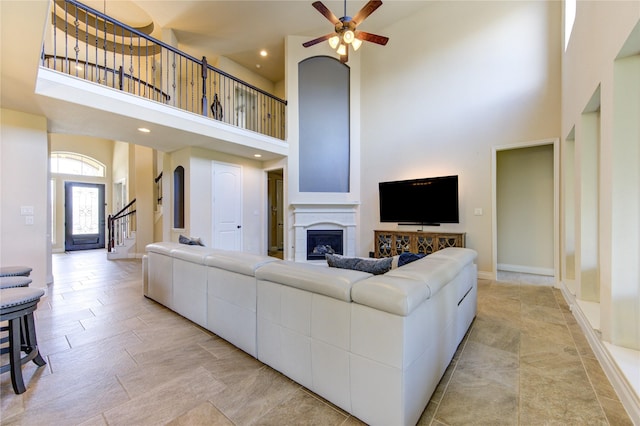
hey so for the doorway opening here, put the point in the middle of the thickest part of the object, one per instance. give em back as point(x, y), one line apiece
point(526, 212)
point(275, 226)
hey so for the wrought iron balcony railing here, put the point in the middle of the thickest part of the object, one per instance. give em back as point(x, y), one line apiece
point(88, 44)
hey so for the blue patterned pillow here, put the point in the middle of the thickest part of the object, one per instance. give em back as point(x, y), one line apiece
point(409, 257)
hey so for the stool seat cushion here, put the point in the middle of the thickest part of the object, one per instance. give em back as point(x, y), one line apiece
point(8, 271)
point(14, 281)
point(10, 297)
point(17, 305)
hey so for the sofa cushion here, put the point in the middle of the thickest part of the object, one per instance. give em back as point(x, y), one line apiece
point(194, 254)
point(372, 266)
point(235, 261)
point(458, 254)
point(406, 258)
point(162, 247)
point(332, 282)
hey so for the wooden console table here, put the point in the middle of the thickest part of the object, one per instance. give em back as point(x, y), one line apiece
point(392, 243)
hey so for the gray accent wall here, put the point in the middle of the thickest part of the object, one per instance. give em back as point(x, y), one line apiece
point(323, 84)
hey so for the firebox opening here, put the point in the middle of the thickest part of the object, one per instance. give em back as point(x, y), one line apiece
point(321, 242)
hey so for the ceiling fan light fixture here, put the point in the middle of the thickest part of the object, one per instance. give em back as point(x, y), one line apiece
point(334, 41)
point(348, 36)
point(345, 29)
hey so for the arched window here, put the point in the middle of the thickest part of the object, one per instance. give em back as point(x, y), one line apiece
point(178, 197)
point(71, 163)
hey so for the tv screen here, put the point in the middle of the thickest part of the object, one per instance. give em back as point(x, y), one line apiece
point(427, 201)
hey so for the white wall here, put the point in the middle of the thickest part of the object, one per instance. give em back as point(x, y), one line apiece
point(600, 32)
point(198, 164)
point(142, 191)
point(120, 168)
point(568, 207)
point(456, 79)
point(24, 160)
point(238, 71)
point(603, 56)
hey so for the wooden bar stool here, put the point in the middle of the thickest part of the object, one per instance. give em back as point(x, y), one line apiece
point(17, 305)
point(12, 271)
point(10, 282)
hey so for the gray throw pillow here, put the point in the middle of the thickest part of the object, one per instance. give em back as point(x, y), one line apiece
point(372, 266)
point(190, 241)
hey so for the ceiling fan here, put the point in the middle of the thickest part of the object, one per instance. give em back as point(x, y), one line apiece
point(346, 32)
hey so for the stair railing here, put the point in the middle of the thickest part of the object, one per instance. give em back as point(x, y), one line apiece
point(88, 44)
point(121, 225)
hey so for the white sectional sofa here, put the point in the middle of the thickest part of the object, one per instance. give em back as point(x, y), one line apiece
point(374, 345)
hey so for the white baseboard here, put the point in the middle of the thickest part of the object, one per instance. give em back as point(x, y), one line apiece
point(526, 269)
point(628, 396)
point(485, 275)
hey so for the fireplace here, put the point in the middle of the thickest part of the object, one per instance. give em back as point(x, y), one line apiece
point(324, 217)
point(321, 242)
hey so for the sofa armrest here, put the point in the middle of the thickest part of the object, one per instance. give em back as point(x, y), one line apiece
point(401, 290)
point(395, 295)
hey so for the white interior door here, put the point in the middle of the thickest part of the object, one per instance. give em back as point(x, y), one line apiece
point(227, 206)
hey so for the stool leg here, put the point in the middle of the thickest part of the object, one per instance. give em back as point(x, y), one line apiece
point(30, 339)
point(14, 356)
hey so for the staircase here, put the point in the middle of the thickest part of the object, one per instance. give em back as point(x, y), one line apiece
point(122, 233)
point(125, 249)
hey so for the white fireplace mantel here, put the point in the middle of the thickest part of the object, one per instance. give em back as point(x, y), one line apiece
point(329, 215)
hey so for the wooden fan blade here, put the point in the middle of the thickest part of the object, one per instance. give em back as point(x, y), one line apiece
point(374, 38)
point(318, 40)
point(326, 12)
point(367, 10)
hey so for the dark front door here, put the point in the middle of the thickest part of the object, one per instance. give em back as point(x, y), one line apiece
point(84, 216)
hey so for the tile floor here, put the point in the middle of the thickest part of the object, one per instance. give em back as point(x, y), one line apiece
point(116, 358)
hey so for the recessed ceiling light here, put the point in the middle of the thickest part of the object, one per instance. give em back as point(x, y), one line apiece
point(257, 155)
point(258, 65)
point(144, 130)
point(263, 53)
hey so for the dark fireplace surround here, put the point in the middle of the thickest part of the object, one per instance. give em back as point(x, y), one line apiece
point(321, 242)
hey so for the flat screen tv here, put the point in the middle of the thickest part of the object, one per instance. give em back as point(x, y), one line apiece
point(427, 201)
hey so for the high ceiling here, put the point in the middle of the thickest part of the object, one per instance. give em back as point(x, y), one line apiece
point(239, 29)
